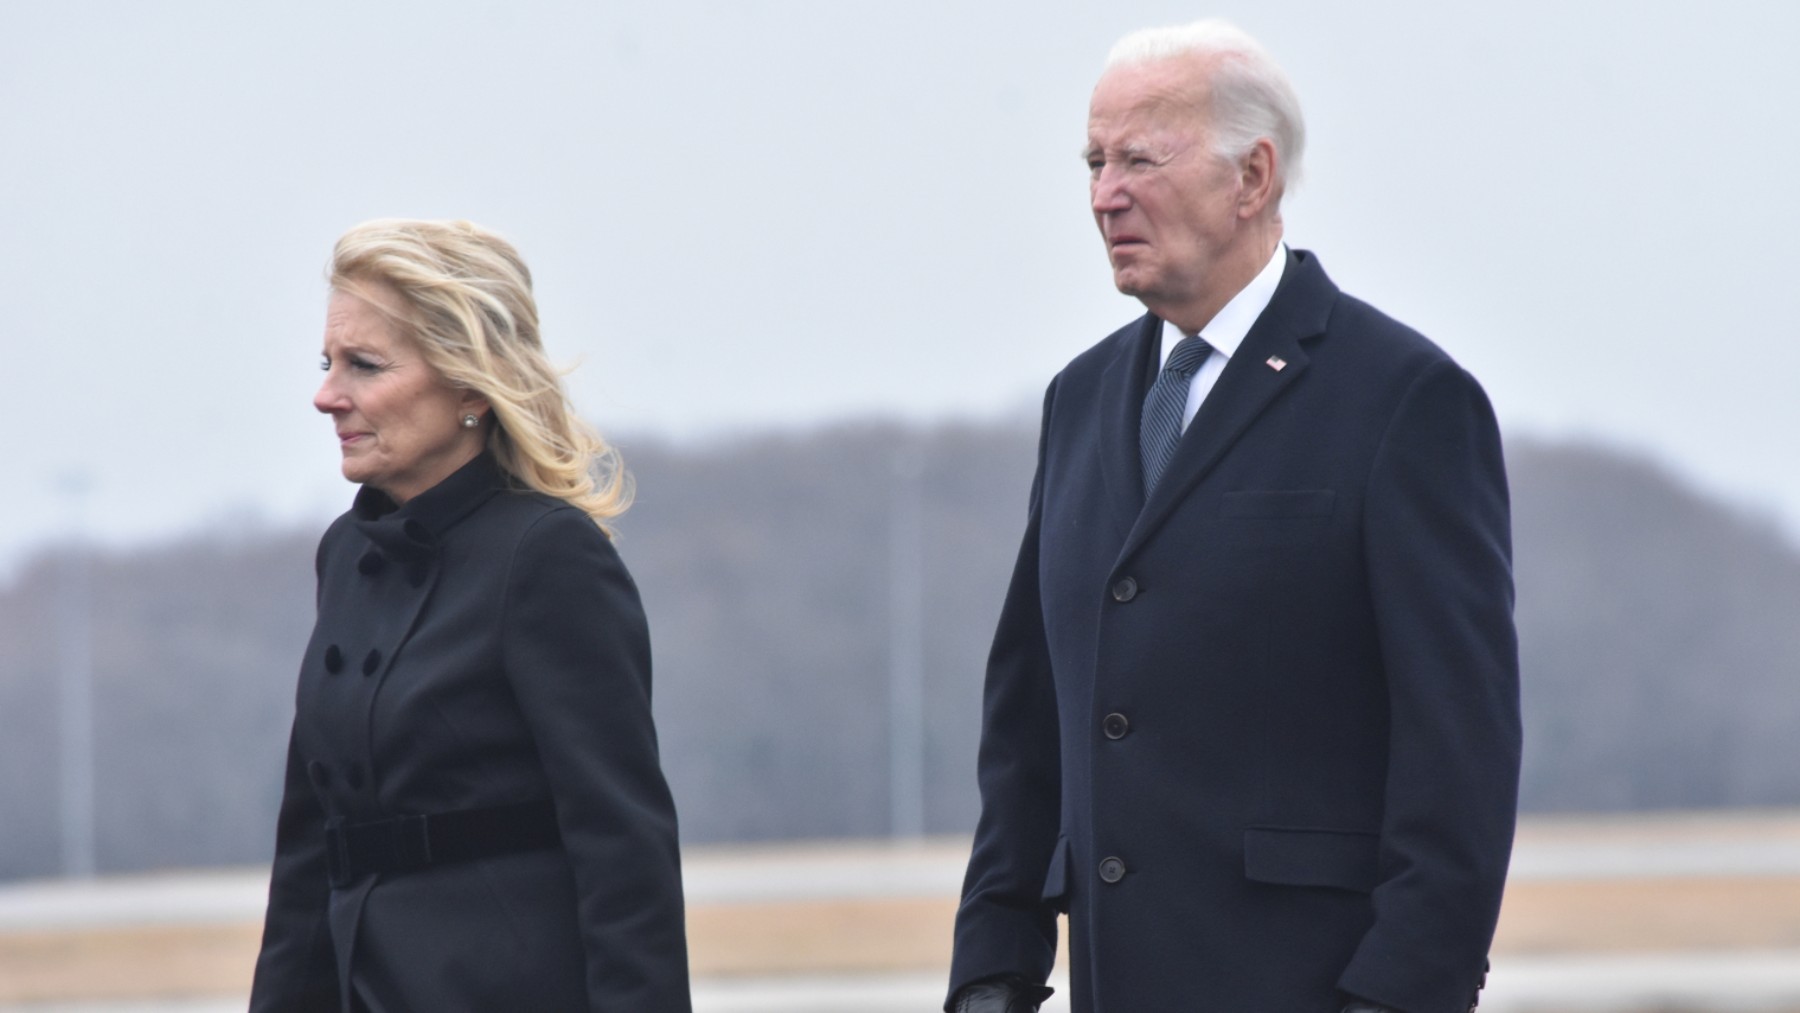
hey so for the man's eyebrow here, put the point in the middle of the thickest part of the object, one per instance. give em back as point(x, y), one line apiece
point(1137, 149)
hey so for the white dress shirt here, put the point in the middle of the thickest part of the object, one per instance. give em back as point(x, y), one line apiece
point(1226, 331)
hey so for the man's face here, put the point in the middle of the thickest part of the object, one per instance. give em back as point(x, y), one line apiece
point(1166, 206)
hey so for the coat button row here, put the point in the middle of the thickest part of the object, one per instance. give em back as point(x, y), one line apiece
point(1115, 725)
point(1111, 870)
point(334, 660)
point(1125, 590)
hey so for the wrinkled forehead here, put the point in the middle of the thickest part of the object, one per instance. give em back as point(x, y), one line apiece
point(366, 313)
point(1155, 97)
point(372, 296)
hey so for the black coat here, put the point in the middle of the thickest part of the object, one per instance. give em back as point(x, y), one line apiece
point(1259, 735)
point(477, 647)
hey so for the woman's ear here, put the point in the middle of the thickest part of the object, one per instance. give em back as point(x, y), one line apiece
point(474, 404)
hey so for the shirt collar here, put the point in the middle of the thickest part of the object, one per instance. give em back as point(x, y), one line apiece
point(1226, 331)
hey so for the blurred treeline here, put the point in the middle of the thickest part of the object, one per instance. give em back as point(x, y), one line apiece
point(1658, 628)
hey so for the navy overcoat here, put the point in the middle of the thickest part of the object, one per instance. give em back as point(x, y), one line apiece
point(1259, 735)
point(477, 647)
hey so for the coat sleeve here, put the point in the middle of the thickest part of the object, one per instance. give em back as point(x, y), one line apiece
point(576, 652)
point(296, 971)
point(1004, 925)
point(1438, 545)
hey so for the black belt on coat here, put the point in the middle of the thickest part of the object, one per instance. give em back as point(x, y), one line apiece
point(411, 843)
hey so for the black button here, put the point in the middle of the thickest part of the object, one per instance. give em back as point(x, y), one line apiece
point(371, 661)
point(1125, 590)
point(320, 774)
point(370, 563)
point(334, 659)
point(1115, 725)
point(1112, 870)
point(354, 776)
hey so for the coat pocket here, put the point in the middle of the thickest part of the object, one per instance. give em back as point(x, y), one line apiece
point(1056, 880)
point(1286, 856)
point(1277, 503)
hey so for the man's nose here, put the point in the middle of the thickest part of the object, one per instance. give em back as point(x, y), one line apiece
point(1108, 191)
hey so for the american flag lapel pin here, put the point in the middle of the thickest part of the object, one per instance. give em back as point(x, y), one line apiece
point(1277, 363)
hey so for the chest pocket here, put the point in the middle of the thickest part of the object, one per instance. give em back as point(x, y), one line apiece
point(1278, 504)
point(1263, 518)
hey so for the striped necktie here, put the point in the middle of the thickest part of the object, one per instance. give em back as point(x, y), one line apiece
point(1160, 429)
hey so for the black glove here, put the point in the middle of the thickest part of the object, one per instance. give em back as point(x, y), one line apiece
point(1000, 995)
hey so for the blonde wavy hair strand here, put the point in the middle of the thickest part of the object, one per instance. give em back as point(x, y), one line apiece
point(468, 305)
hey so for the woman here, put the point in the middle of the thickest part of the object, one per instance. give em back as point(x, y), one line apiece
point(474, 815)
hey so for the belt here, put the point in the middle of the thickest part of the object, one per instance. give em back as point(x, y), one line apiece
point(411, 843)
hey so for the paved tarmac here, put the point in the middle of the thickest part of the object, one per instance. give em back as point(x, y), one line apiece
point(1548, 849)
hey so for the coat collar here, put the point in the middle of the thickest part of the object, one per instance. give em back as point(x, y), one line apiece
point(1270, 360)
point(410, 532)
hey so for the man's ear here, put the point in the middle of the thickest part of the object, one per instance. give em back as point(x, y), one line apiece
point(1256, 178)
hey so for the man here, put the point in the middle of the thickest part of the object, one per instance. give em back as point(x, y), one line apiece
point(1251, 714)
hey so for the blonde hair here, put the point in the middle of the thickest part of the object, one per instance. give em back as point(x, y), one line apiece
point(468, 305)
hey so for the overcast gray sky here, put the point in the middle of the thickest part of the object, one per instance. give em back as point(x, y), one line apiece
point(754, 214)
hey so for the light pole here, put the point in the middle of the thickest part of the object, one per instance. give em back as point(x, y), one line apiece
point(906, 636)
point(75, 689)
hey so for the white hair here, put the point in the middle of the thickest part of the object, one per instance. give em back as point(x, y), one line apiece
point(1252, 97)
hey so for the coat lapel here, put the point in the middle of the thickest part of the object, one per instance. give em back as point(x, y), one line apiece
point(1249, 384)
point(1121, 405)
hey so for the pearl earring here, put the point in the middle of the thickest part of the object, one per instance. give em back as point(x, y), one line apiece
point(471, 420)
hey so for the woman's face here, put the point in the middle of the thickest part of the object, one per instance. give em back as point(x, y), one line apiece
point(398, 422)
